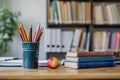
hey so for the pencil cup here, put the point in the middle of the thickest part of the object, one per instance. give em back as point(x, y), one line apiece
point(30, 55)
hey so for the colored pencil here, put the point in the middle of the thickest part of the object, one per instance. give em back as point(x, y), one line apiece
point(30, 34)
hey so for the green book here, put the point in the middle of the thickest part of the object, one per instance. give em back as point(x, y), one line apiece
point(114, 13)
point(90, 58)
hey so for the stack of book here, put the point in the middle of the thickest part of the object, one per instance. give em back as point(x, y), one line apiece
point(89, 59)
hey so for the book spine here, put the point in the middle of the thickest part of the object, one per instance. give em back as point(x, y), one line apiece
point(110, 39)
point(95, 53)
point(53, 3)
point(96, 64)
point(100, 58)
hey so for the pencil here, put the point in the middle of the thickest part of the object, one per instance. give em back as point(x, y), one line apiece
point(20, 33)
point(33, 39)
point(38, 34)
point(24, 33)
point(30, 34)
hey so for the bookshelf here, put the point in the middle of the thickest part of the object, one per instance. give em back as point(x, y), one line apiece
point(88, 22)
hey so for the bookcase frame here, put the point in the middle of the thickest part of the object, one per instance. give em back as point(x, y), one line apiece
point(89, 27)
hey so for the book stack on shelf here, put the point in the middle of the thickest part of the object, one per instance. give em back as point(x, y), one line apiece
point(89, 59)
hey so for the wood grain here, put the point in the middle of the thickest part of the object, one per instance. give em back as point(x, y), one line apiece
point(61, 73)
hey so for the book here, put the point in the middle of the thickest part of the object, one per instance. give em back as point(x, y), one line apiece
point(110, 39)
point(99, 39)
point(54, 8)
point(117, 62)
point(88, 12)
point(76, 38)
point(75, 54)
point(77, 65)
point(91, 58)
point(98, 11)
point(18, 63)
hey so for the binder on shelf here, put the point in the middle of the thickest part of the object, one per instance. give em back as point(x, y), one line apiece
point(69, 37)
point(64, 41)
point(58, 40)
point(53, 40)
point(70, 40)
point(48, 40)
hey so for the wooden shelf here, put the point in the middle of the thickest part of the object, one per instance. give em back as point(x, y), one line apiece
point(70, 25)
point(58, 55)
point(106, 0)
point(106, 25)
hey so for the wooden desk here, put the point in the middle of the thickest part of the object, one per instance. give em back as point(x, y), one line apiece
point(61, 73)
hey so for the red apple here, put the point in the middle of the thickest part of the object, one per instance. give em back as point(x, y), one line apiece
point(53, 62)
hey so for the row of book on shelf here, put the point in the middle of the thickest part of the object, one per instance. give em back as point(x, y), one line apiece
point(69, 11)
point(63, 41)
point(80, 12)
point(109, 13)
point(58, 40)
point(106, 41)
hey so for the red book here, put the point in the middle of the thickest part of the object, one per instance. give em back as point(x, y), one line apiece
point(77, 54)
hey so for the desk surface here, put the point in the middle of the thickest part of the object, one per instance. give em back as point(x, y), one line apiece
point(44, 73)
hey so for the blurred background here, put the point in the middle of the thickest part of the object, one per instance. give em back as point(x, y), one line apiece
point(32, 12)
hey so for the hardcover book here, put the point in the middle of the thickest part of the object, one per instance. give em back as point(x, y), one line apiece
point(77, 65)
point(75, 54)
point(91, 58)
